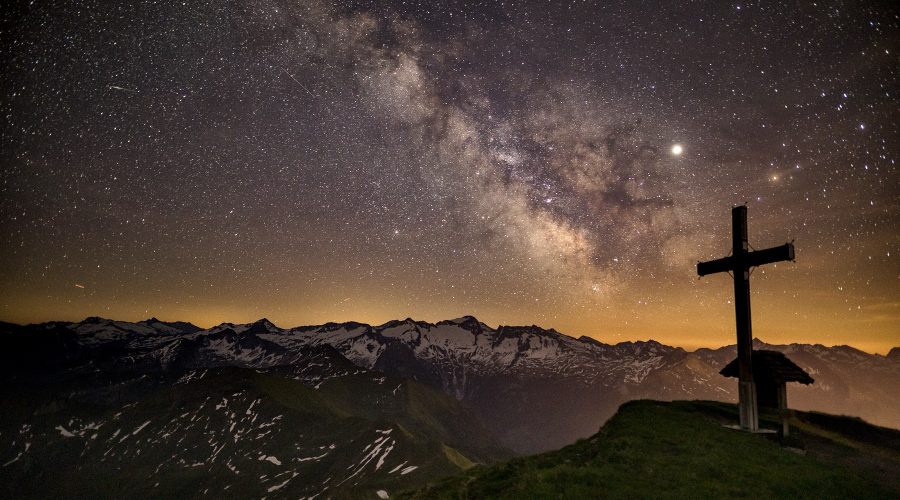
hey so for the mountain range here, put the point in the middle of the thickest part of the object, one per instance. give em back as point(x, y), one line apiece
point(299, 410)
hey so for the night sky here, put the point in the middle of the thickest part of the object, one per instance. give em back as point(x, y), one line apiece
point(564, 164)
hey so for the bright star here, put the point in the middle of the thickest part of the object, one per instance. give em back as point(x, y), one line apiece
point(677, 149)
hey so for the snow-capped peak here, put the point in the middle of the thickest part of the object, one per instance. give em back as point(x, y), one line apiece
point(262, 326)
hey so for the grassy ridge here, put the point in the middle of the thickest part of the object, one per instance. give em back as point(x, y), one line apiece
point(681, 450)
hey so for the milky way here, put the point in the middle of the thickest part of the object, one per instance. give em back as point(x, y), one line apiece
point(314, 162)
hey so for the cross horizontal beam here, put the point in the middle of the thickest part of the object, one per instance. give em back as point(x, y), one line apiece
point(722, 265)
point(770, 255)
point(750, 259)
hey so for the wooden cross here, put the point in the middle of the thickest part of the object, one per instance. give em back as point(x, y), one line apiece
point(739, 263)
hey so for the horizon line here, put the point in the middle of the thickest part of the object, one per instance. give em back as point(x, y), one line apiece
point(408, 318)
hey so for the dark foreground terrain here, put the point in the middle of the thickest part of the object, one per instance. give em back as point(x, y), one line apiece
point(652, 449)
point(233, 433)
point(153, 409)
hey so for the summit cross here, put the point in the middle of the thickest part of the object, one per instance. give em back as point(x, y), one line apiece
point(739, 263)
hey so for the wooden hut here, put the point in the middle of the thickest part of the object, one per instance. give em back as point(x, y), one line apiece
point(772, 371)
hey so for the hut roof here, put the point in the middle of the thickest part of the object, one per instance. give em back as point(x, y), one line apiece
point(771, 365)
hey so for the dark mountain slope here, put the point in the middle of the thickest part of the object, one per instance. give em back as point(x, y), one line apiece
point(320, 425)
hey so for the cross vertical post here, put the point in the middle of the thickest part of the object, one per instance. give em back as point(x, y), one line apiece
point(749, 417)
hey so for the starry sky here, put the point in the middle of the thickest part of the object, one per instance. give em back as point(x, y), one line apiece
point(564, 164)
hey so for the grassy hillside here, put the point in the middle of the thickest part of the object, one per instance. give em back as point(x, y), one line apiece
point(682, 450)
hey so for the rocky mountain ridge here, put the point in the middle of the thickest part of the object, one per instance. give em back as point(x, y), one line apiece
point(536, 389)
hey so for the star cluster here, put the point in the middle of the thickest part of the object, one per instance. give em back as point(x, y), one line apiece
point(558, 163)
